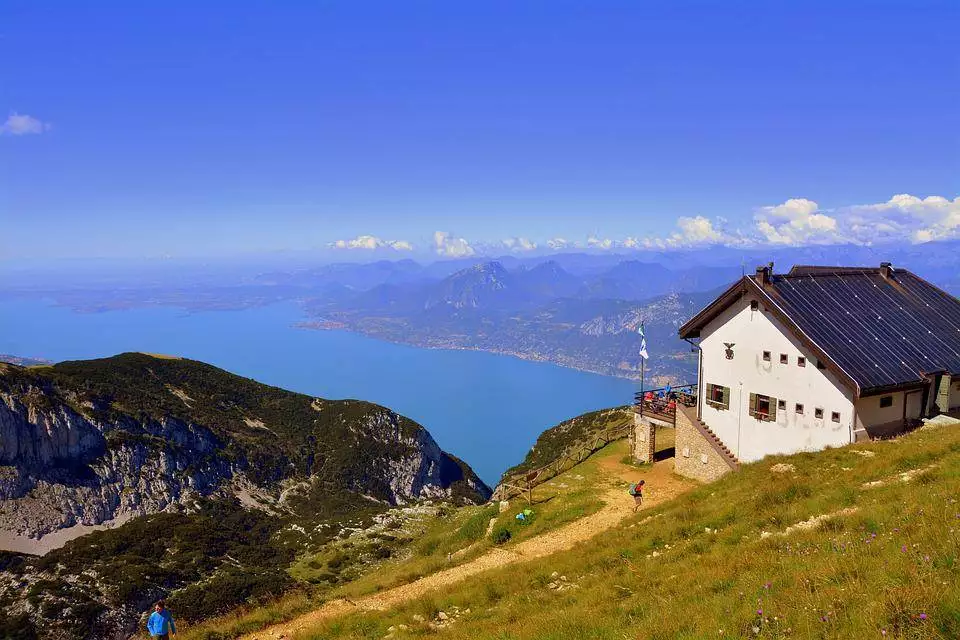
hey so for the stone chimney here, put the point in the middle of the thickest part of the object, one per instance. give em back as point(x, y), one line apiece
point(886, 270)
point(764, 274)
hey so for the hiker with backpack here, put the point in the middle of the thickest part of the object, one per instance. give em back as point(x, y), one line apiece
point(636, 490)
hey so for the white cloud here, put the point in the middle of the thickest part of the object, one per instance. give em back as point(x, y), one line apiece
point(697, 231)
point(600, 243)
point(450, 247)
point(21, 125)
point(558, 244)
point(519, 244)
point(371, 243)
point(797, 221)
point(905, 216)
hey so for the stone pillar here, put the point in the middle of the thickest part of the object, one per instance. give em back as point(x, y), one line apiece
point(644, 440)
point(943, 392)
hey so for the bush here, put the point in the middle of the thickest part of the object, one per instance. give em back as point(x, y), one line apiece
point(501, 535)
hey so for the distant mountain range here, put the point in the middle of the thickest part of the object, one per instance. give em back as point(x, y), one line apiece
point(541, 312)
point(574, 309)
point(20, 360)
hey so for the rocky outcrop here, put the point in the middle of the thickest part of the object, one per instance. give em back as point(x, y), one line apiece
point(70, 457)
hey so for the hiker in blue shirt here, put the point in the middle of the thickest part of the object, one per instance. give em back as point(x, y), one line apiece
point(160, 623)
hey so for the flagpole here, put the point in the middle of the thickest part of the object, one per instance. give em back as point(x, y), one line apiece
point(643, 362)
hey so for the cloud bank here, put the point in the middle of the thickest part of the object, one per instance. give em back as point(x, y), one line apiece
point(371, 243)
point(794, 222)
point(799, 221)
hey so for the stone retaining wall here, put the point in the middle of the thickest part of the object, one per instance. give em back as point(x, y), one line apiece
point(695, 457)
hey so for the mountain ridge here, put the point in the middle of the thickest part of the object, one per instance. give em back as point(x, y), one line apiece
point(89, 433)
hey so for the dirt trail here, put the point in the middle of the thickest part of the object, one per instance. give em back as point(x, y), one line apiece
point(662, 485)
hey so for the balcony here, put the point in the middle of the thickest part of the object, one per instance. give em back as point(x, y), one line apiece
point(660, 405)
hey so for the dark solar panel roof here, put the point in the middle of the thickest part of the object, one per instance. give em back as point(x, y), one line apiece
point(881, 331)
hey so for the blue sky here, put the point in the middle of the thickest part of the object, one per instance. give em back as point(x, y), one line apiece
point(146, 129)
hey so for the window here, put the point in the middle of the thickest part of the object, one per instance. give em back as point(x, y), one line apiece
point(763, 407)
point(818, 413)
point(718, 397)
point(835, 416)
point(782, 405)
point(784, 359)
point(886, 401)
point(799, 409)
point(801, 361)
point(766, 356)
point(754, 305)
point(820, 365)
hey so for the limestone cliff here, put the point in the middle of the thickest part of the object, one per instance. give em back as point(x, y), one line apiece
point(86, 443)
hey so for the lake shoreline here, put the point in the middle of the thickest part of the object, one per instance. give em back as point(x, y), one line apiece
point(313, 325)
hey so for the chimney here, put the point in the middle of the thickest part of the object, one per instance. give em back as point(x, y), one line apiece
point(764, 273)
point(886, 270)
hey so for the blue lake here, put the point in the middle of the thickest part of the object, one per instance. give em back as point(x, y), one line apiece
point(485, 408)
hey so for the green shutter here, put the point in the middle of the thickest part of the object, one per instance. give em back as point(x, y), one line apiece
point(753, 404)
point(773, 409)
point(726, 397)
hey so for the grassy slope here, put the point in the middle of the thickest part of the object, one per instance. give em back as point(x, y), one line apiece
point(569, 435)
point(456, 538)
point(887, 568)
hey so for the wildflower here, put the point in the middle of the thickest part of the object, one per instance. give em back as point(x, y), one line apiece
point(903, 549)
point(923, 616)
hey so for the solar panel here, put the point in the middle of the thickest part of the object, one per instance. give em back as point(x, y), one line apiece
point(881, 332)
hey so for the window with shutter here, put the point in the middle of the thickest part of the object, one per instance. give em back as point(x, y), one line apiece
point(718, 396)
point(763, 407)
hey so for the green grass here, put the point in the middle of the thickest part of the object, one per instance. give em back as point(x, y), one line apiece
point(248, 619)
point(890, 566)
point(457, 536)
point(568, 497)
point(570, 435)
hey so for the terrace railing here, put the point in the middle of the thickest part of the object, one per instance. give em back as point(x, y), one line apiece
point(661, 404)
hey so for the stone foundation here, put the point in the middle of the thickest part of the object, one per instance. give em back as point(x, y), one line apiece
point(696, 457)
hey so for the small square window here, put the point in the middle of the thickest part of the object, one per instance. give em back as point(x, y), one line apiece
point(754, 305)
point(784, 359)
point(799, 409)
point(818, 413)
point(835, 416)
point(782, 405)
point(801, 361)
point(886, 401)
point(766, 356)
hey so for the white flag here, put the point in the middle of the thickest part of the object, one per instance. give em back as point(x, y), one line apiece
point(643, 343)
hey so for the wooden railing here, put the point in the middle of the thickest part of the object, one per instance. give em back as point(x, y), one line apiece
point(661, 404)
point(524, 484)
